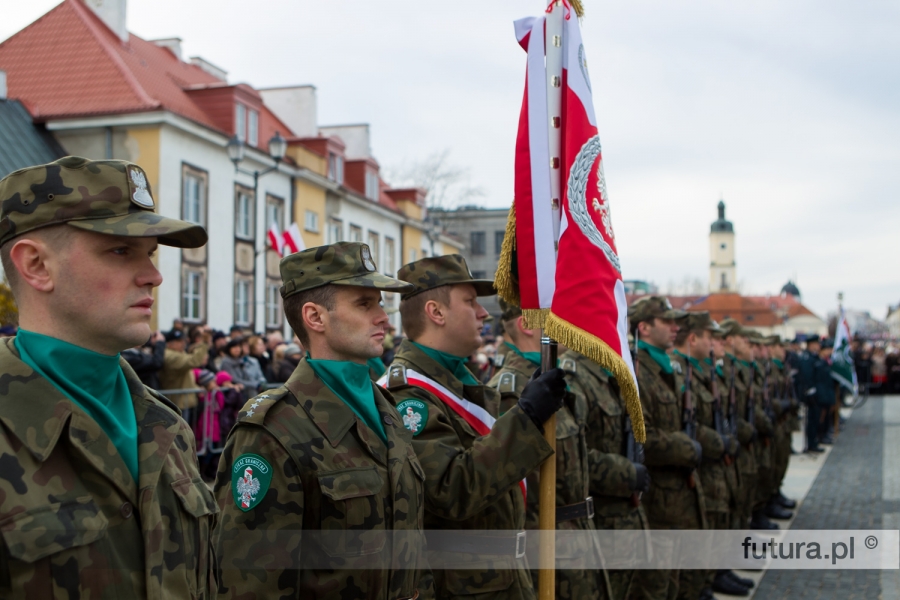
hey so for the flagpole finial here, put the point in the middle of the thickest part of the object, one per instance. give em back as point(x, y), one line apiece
point(840, 297)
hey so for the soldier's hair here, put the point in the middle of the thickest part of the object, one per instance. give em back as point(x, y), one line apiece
point(682, 335)
point(511, 330)
point(55, 236)
point(412, 310)
point(293, 308)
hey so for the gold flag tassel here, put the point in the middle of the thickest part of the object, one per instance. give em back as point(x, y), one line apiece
point(507, 287)
point(598, 351)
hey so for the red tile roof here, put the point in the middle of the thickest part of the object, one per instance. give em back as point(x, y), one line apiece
point(743, 309)
point(68, 64)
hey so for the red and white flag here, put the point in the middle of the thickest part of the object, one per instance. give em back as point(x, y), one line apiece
point(274, 237)
point(293, 241)
point(560, 262)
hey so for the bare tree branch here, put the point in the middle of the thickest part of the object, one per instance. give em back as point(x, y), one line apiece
point(447, 185)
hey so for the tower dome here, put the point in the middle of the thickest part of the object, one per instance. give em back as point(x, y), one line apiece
point(721, 225)
point(790, 289)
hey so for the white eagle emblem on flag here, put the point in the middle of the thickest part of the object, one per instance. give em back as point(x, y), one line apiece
point(412, 420)
point(247, 487)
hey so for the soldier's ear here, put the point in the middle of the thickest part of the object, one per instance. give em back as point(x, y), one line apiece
point(314, 317)
point(522, 327)
point(435, 312)
point(35, 262)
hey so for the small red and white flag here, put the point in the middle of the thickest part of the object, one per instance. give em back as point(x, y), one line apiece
point(275, 240)
point(293, 241)
point(559, 261)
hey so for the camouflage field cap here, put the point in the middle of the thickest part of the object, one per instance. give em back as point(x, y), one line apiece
point(648, 308)
point(435, 271)
point(344, 263)
point(509, 311)
point(730, 327)
point(111, 197)
point(755, 337)
point(698, 321)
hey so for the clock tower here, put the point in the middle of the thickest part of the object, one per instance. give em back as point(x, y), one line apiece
point(722, 270)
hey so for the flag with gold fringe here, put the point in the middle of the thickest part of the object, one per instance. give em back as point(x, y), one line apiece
point(559, 260)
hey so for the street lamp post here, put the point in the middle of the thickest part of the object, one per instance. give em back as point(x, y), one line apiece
point(277, 149)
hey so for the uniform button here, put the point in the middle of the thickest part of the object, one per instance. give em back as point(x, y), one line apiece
point(388, 420)
point(126, 510)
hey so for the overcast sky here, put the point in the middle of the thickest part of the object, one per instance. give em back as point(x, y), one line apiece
point(789, 110)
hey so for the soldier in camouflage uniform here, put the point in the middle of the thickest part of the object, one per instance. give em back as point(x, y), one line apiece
point(474, 465)
point(675, 500)
point(737, 350)
point(785, 406)
point(693, 345)
point(100, 494)
point(317, 473)
point(575, 507)
point(765, 427)
point(616, 482)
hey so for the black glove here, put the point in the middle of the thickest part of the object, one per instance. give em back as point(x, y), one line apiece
point(543, 395)
point(641, 479)
point(698, 451)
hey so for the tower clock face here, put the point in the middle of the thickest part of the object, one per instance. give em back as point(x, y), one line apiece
point(723, 246)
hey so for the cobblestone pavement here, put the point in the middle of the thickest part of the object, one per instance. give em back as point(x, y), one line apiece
point(858, 487)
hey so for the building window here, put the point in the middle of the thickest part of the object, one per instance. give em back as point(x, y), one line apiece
point(336, 167)
point(273, 306)
point(372, 240)
point(372, 186)
point(335, 231)
point(243, 213)
point(724, 282)
point(253, 128)
point(477, 239)
point(389, 300)
point(274, 212)
point(412, 254)
point(311, 221)
point(388, 266)
point(243, 292)
point(240, 122)
point(355, 233)
point(479, 275)
point(498, 241)
point(193, 201)
point(192, 295)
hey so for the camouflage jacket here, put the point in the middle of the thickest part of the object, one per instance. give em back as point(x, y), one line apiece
point(330, 476)
point(746, 461)
point(612, 475)
point(471, 482)
point(669, 453)
point(762, 422)
point(712, 469)
point(74, 522)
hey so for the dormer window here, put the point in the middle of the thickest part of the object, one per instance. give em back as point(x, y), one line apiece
point(240, 122)
point(336, 167)
point(371, 186)
point(253, 128)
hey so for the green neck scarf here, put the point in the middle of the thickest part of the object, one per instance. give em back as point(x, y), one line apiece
point(532, 357)
point(657, 354)
point(778, 363)
point(694, 362)
point(351, 383)
point(376, 367)
point(95, 382)
point(719, 370)
point(454, 364)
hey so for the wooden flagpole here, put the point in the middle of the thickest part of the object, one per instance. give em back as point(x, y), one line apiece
point(547, 507)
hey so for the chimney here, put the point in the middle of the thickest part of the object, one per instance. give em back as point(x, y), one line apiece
point(171, 44)
point(2, 85)
point(111, 12)
point(217, 72)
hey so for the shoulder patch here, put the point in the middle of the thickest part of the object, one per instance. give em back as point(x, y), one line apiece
point(250, 478)
point(676, 366)
point(396, 377)
point(568, 365)
point(414, 414)
point(507, 383)
point(254, 411)
point(499, 360)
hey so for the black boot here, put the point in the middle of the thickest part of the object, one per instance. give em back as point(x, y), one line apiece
point(706, 594)
point(774, 510)
point(759, 521)
point(742, 581)
point(726, 585)
point(785, 501)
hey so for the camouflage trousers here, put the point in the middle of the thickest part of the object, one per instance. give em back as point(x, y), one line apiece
point(623, 583)
point(782, 455)
point(747, 484)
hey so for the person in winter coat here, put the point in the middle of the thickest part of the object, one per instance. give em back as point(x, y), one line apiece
point(244, 369)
